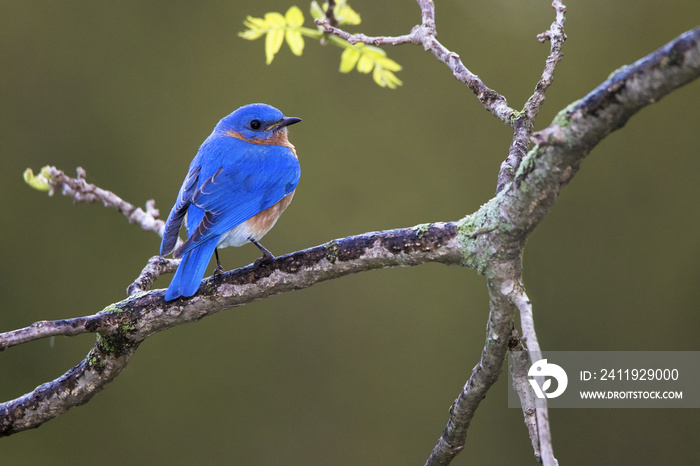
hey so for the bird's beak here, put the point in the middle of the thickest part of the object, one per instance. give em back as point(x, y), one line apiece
point(282, 123)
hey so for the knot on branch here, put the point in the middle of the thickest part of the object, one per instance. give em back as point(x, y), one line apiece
point(422, 32)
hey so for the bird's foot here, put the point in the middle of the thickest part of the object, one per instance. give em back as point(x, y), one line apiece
point(219, 268)
point(266, 259)
point(267, 256)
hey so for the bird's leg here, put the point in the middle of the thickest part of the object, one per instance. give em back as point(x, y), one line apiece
point(219, 268)
point(267, 255)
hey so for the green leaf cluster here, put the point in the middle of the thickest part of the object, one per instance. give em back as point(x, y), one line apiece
point(278, 28)
point(367, 58)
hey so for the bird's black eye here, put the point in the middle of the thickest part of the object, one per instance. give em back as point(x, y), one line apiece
point(255, 124)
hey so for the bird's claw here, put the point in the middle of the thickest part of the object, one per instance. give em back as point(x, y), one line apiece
point(266, 259)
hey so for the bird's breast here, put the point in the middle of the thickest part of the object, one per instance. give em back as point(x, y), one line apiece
point(256, 226)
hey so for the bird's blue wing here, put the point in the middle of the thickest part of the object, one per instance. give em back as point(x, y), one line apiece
point(256, 178)
point(177, 213)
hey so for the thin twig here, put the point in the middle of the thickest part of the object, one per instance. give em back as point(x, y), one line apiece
point(525, 120)
point(521, 385)
point(156, 266)
point(82, 191)
point(330, 13)
point(527, 324)
point(365, 39)
point(425, 34)
point(556, 37)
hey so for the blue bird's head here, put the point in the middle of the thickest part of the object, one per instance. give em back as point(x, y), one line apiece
point(258, 123)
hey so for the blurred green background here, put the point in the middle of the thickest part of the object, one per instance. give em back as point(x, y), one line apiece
point(360, 370)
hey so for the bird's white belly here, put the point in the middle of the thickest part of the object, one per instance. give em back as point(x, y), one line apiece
point(237, 236)
point(256, 226)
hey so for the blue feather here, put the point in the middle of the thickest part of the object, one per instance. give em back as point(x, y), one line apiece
point(191, 270)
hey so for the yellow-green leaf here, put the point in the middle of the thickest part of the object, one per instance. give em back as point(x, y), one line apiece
point(295, 41)
point(373, 51)
point(348, 59)
point(273, 42)
point(274, 19)
point(275, 35)
point(38, 182)
point(316, 11)
point(385, 78)
point(346, 15)
point(294, 17)
point(365, 64)
point(388, 63)
point(256, 28)
point(250, 34)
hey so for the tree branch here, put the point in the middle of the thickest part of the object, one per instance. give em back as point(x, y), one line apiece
point(487, 371)
point(525, 121)
point(121, 327)
point(82, 191)
point(46, 328)
point(521, 384)
point(425, 34)
point(583, 124)
point(330, 13)
point(156, 266)
point(74, 388)
point(527, 324)
point(556, 37)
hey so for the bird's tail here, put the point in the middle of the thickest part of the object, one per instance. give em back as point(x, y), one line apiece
point(191, 270)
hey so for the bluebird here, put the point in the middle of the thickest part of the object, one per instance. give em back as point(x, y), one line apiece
point(239, 183)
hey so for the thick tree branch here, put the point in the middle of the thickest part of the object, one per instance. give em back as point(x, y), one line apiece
point(148, 314)
point(123, 326)
point(45, 328)
point(74, 388)
point(487, 371)
point(582, 125)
